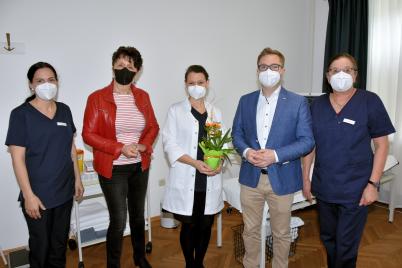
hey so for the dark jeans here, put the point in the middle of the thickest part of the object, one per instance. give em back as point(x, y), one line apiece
point(341, 229)
point(48, 236)
point(125, 189)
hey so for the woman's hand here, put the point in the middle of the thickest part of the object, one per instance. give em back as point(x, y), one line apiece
point(141, 147)
point(133, 149)
point(33, 205)
point(369, 196)
point(79, 189)
point(203, 168)
point(307, 162)
point(307, 190)
point(130, 150)
point(219, 168)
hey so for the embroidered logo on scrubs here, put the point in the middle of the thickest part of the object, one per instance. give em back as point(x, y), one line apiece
point(62, 124)
point(349, 121)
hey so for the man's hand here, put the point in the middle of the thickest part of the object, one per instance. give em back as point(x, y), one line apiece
point(252, 156)
point(264, 158)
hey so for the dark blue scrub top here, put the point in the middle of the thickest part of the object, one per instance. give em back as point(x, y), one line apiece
point(48, 151)
point(344, 158)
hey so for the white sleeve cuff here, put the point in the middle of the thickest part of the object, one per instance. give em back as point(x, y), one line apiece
point(245, 153)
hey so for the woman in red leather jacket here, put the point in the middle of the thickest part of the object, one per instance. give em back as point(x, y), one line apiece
point(120, 125)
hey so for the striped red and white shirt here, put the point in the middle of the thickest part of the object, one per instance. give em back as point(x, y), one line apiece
point(129, 125)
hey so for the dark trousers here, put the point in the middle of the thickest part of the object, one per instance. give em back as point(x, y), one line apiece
point(126, 189)
point(48, 236)
point(195, 232)
point(341, 229)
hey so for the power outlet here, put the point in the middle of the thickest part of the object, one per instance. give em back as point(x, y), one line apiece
point(162, 182)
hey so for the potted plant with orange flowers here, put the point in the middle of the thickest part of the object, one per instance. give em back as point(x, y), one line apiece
point(212, 145)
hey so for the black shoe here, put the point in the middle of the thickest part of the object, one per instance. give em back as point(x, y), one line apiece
point(142, 263)
point(194, 265)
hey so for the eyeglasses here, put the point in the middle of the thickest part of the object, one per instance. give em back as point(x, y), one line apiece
point(348, 70)
point(272, 67)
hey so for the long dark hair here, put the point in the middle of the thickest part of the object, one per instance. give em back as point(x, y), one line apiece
point(31, 73)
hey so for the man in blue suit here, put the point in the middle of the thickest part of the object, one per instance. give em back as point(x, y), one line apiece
point(271, 131)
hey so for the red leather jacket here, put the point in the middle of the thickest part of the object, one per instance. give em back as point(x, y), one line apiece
point(99, 128)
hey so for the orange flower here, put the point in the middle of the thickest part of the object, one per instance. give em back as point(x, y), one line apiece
point(213, 124)
point(212, 145)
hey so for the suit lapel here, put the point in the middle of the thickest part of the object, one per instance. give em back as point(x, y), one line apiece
point(278, 115)
point(253, 112)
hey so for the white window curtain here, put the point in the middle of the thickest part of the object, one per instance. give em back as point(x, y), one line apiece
point(384, 75)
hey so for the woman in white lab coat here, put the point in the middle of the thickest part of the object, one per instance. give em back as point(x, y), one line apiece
point(193, 191)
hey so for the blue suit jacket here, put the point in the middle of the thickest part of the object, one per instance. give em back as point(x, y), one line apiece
point(291, 137)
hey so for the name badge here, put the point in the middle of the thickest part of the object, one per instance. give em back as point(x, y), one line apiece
point(62, 124)
point(349, 121)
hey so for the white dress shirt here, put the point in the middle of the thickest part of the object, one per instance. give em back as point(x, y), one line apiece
point(265, 114)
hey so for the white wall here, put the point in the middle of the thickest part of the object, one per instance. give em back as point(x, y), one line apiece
point(79, 37)
point(320, 29)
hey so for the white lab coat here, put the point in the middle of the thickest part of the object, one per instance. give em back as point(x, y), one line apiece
point(179, 137)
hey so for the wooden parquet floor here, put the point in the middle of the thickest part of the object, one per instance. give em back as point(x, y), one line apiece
point(381, 246)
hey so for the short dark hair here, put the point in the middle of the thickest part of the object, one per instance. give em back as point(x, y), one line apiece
point(196, 69)
point(326, 85)
point(270, 51)
point(31, 73)
point(343, 55)
point(130, 52)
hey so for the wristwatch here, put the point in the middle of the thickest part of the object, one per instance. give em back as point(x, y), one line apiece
point(375, 184)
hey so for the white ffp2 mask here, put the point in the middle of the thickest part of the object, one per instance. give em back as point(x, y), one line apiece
point(46, 91)
point(196, 91)
point(341, 81)
point(269, 78)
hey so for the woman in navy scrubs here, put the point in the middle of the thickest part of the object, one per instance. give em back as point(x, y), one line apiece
point(40, 139)
point(346, 172)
